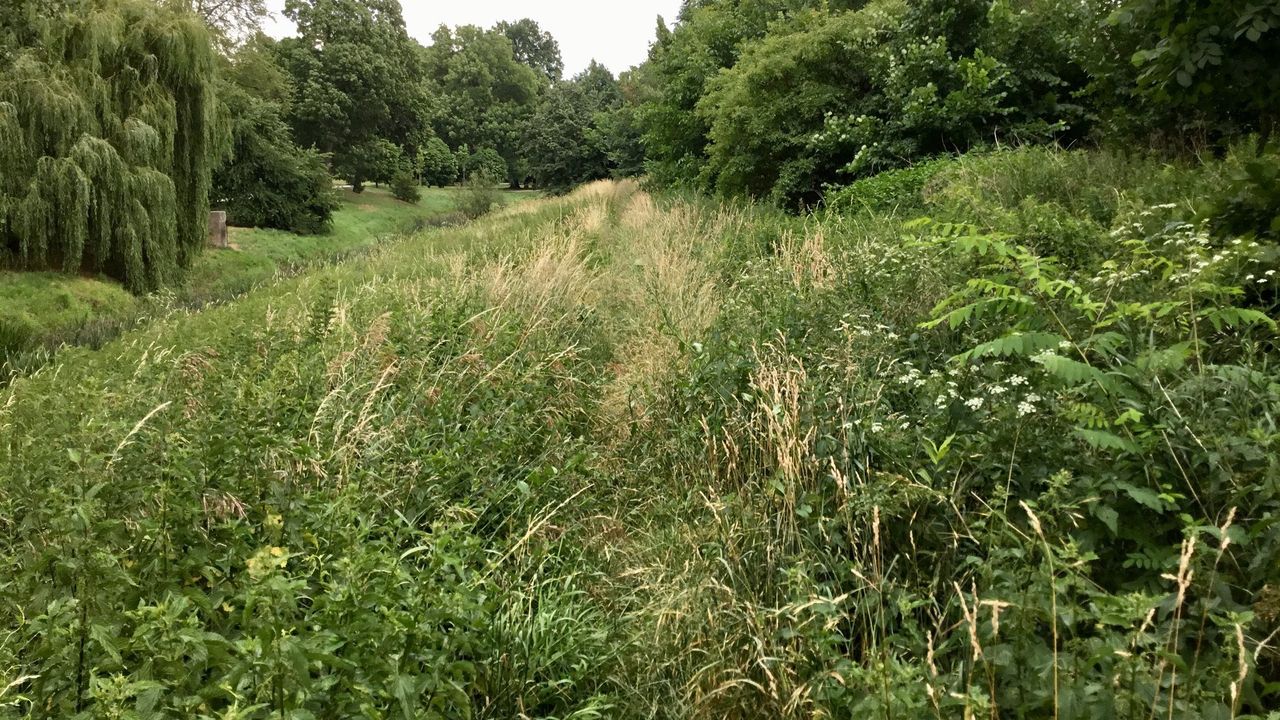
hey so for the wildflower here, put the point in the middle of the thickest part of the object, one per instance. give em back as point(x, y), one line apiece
point(975, 403)
point(1017, 381)
point(1025, 408)
point(998, 390)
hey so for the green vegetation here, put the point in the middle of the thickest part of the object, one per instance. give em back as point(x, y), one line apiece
point(357, 90)
point(568, 144)
point(874, 401)
point(107, 140)
point(41, 311)
point(268, 181)
point(612, 457)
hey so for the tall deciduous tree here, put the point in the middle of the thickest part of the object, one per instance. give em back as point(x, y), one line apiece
point(357, 78)
point(108, 137)
point(268, 181)
point(534, 47)
point(488, 93)
point(566, 142)
point(230, 20)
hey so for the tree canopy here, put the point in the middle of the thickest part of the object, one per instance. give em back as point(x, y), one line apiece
point(488, 92)
point(268, 181)
point(534, 47)
point(568, 135)
point(357, 80)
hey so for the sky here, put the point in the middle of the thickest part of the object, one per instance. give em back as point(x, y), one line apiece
point(617, 33)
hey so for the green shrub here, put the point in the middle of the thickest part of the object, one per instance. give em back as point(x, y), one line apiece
point(405, 187)
point(437, 163)
point(486, 164)
point(1248, 203)
point(900, 189)
point(478, 197)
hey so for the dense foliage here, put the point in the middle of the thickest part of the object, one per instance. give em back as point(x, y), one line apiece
point(488, 93)
point(866, 465)
point(268, 181)
point(782, 99)
point(107, 139)
point(436, 163)
point(566, 142)
point(358, 91)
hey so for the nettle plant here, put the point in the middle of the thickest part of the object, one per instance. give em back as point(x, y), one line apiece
point(1133, 405)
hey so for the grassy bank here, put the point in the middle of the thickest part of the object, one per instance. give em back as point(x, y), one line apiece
point(41, 311)
point(626, 457)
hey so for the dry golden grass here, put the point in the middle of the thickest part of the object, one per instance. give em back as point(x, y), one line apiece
point(806, 259)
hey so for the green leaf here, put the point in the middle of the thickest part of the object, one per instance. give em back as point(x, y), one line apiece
point(1143, 496)
point(1019, 344)
point(405, 689)
point(1104, 440)
point(1074, 371)
point(104, 637)
point(1108, 516)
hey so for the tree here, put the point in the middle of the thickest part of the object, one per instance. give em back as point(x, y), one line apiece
point(780, 98)
point(436, 163)
point(566, 144)
point(230, 20)
point(107, 147)
point(375, 160)
point(358, 82)
point(404, 186)
point(1212, 59)
point(534, 48)
point(486, 165)
point(489, 95)
point(709, 38)
point(268, 181)
point(764, 112)
point(621, 129)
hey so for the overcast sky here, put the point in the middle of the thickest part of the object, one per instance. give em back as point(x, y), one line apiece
point(615, 32)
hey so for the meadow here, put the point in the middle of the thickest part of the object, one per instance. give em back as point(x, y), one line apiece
point(993, 440)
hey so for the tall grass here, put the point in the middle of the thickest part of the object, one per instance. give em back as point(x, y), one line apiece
point(616, 456)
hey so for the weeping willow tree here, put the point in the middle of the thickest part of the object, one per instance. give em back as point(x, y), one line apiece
point(107, 139)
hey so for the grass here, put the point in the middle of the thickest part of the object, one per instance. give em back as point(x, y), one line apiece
point(42, 311)
point(613, 455)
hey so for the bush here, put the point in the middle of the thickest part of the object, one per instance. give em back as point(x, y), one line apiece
point(888, 191)
point(486, 164)
point(437, 163)
point(479, 197)
point(404, 187)
point(1249, 201)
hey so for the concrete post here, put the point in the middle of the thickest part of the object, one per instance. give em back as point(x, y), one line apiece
point(218, 228)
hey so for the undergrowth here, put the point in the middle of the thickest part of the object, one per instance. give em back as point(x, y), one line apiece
point(1010, 454)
